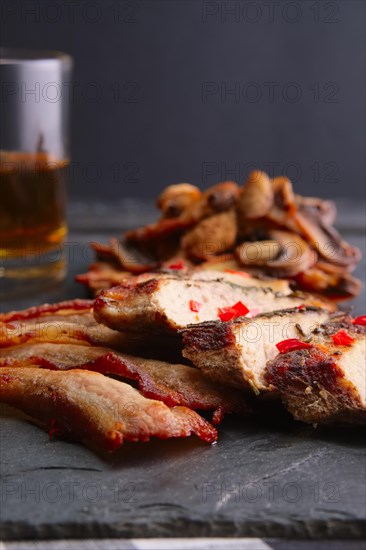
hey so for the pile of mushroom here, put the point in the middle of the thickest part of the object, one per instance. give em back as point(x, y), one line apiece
point(263, 228)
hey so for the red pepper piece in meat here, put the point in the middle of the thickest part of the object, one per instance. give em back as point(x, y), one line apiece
point(226, 313)
point(232, 312)
point(342, 338)
point(240, 309)
point(292, 344)
point(361, 320)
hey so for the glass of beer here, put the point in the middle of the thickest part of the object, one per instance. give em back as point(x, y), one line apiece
point(34, 158)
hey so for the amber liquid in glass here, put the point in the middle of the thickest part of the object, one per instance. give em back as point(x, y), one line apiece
point(32, 212)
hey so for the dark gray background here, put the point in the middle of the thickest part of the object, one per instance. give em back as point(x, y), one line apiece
point(150, 94)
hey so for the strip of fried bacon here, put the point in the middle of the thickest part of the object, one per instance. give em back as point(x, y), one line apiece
point(65, 308)
point(174, 384)
point(73, 323)
point(95, 409)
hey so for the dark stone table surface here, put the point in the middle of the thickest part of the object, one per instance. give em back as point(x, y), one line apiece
point(268, 477)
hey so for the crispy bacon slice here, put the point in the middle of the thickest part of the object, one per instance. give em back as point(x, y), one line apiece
point(68, 307)
point(174, 384)
point(325, 383)
point(96, 409)
point(78, 328)
point(63, 323)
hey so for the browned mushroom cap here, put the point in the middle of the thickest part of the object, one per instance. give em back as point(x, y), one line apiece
point(321, 210)
point(211, 236)
point(327, 241)
point(218, 198)
point(175, 199)
point(284, 196)
point(285, 254)
point(256, 197)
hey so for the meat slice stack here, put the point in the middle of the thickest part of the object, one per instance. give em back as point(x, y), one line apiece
point(241, 345)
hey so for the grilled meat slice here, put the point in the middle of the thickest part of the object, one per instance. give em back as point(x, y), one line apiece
point(236, 353)
point(174, 384)
point(165, 304)
point(96, 409)
point(325, 383)
point(103, 275)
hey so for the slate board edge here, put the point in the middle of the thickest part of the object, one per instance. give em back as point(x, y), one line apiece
point(182, 527)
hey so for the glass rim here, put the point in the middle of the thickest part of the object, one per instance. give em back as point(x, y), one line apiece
point(11, 56)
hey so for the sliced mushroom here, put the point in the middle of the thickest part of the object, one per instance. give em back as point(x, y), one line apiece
point(337, 286)
point(287, 254)
point(327, 241)
point(105, 253)
point(211, 236)
point(130, 258)
point(256, 197)
point(176, 199)
point(328, 267)
point(258, 252)
point(284, 196)
point(321, 210)
point(284, 204)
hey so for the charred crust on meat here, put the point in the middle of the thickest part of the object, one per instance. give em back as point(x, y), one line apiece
point(338, 322)
point(303, 368)
point(287, 311)
point(215, 335)
point(210, 335)
point(119, 292)
point(314, 388)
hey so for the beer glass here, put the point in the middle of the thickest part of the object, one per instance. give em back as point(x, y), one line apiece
point(34, 158)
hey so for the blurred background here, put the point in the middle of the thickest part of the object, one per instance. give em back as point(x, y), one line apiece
point(203, 91)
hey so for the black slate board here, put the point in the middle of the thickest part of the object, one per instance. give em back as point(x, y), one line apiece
point(268, 477)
